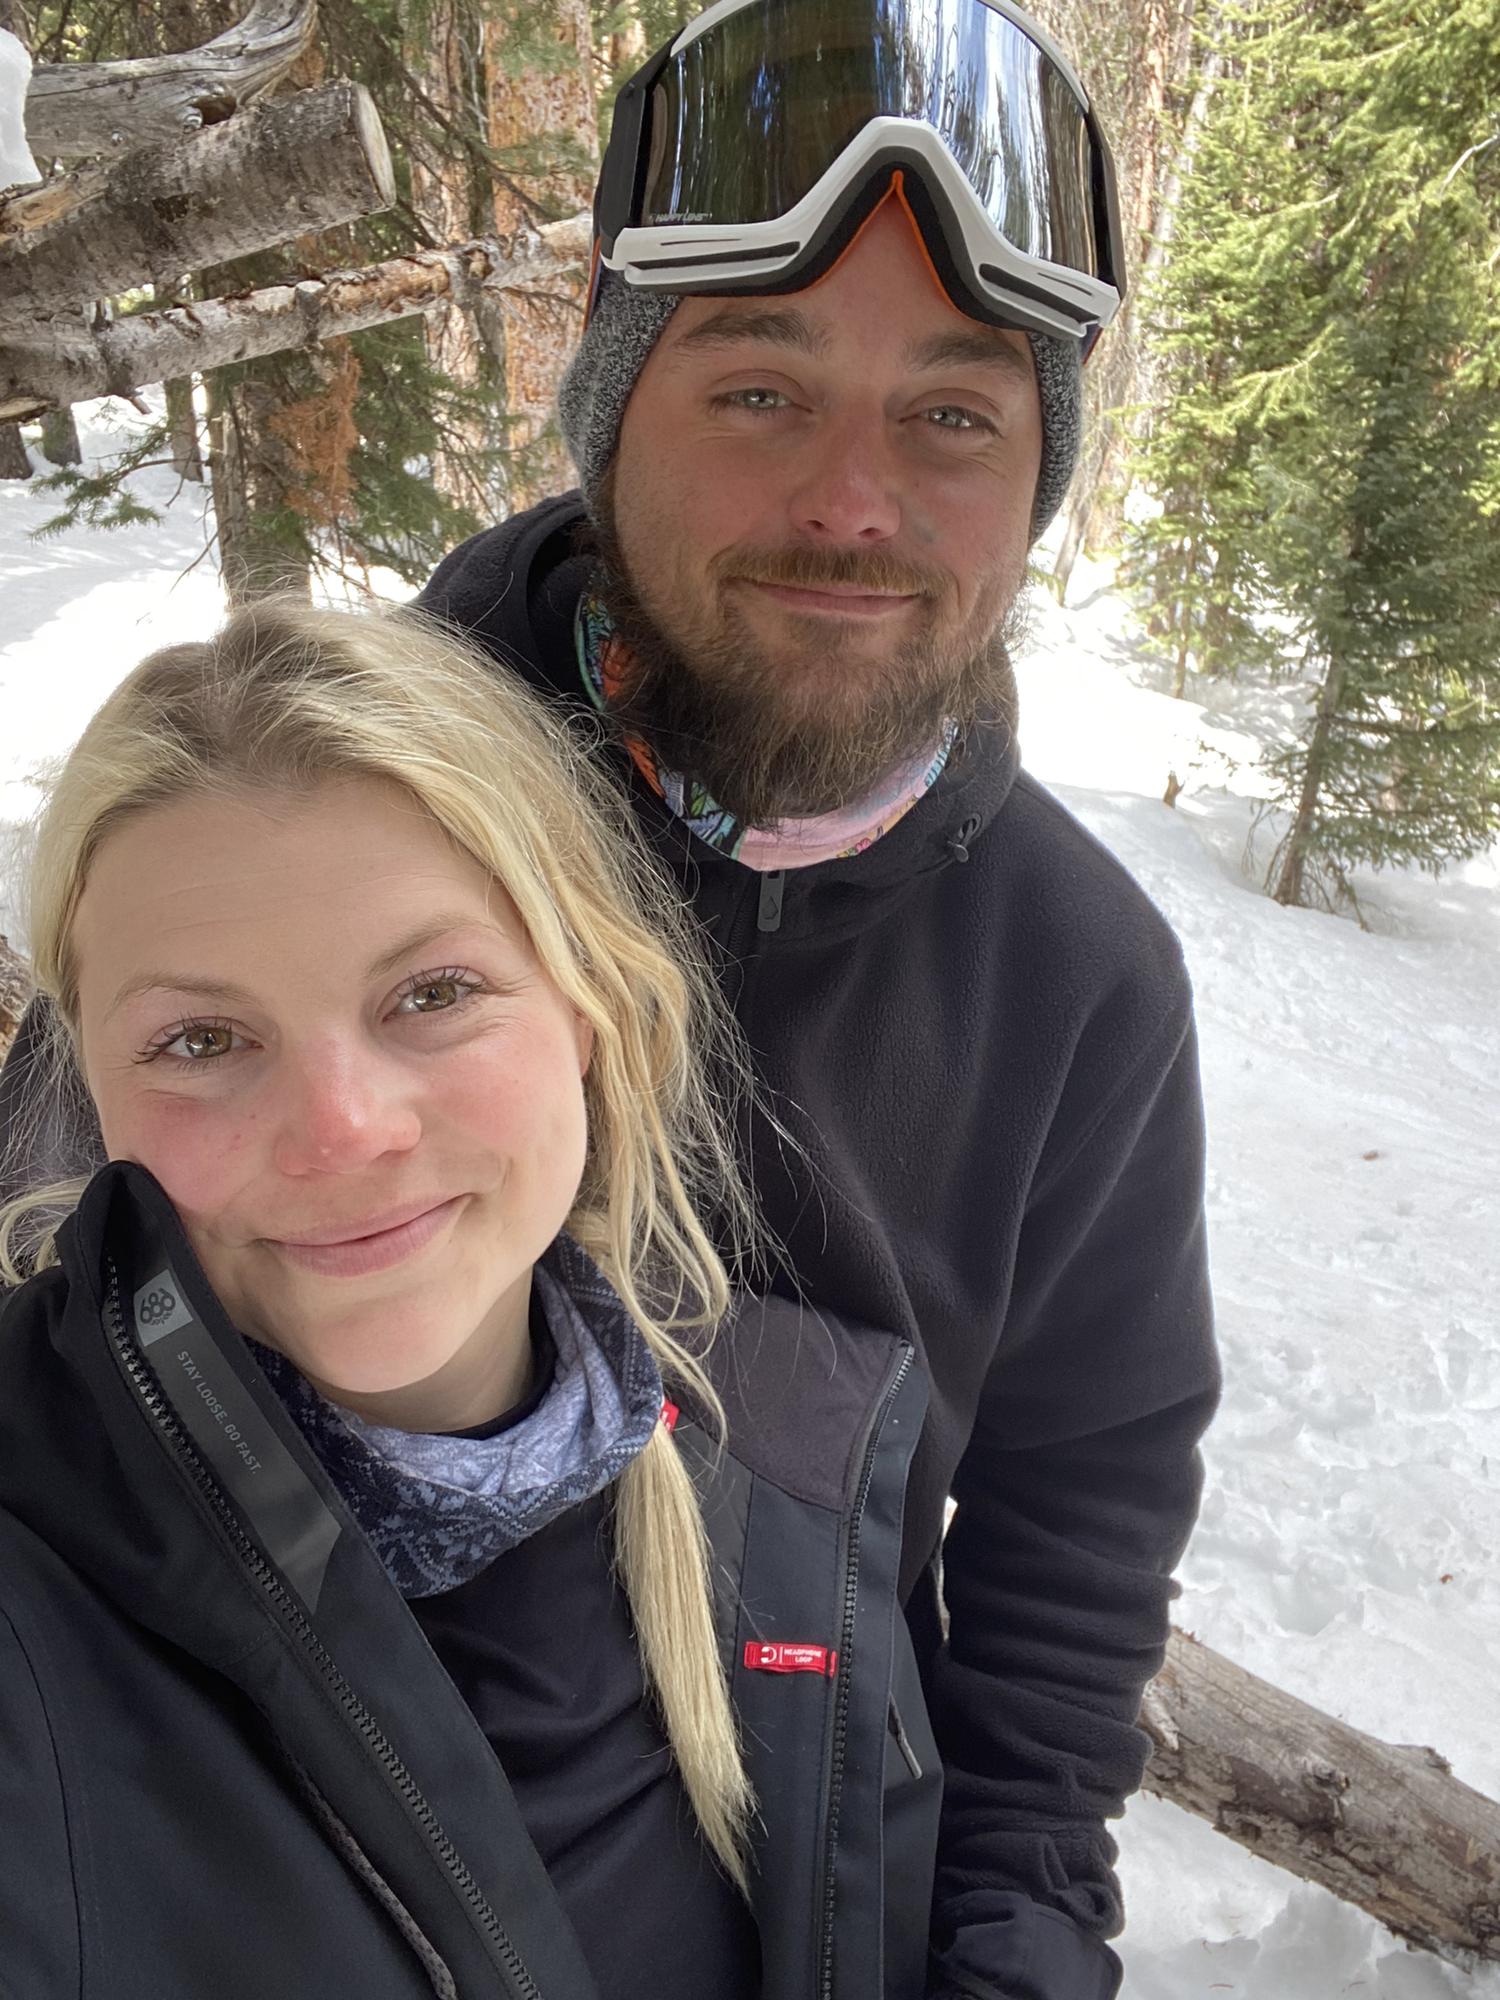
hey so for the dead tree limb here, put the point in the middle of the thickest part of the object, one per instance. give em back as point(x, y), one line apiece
point(286, 168)
point(180, 340)
point(1385, 1826)
point(75, 111)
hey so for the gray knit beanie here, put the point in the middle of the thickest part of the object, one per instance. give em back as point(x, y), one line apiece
point(627, 323)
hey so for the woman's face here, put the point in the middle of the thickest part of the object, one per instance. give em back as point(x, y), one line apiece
point(325, 1032)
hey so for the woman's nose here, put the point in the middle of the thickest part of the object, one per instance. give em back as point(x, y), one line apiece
point(342, 1109)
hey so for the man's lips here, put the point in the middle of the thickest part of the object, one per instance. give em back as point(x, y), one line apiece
point(352, 1249)
point(836, 600)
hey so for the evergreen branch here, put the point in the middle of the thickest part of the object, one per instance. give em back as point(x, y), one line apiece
point(1463, 160)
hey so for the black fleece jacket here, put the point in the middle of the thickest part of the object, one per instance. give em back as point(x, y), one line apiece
point(979, 1032)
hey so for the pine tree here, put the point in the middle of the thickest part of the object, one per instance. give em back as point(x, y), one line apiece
point(1330, 466)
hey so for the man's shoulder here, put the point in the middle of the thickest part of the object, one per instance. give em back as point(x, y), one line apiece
point(498, 587)
point(1084, 913)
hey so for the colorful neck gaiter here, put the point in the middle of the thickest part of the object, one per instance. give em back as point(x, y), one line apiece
point(603, 659)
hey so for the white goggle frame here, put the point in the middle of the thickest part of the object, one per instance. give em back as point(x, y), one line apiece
point(667, 257)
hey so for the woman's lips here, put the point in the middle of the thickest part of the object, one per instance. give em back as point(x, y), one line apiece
point(378, 1251)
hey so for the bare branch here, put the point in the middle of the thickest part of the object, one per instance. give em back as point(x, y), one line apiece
point(184, 339)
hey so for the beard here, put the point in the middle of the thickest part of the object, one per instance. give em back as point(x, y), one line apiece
point(812, 725)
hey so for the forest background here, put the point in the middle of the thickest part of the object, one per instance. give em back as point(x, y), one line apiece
point(1290, 490)
point(1294, 436)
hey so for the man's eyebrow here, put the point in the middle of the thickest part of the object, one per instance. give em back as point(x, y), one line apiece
point(970, 347)
point(781, 326)
point(229, 995)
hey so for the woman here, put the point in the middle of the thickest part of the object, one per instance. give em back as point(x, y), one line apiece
point(333, 1410)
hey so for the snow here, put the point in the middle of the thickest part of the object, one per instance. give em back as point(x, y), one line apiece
point(17, 167)
point(1349, 1547)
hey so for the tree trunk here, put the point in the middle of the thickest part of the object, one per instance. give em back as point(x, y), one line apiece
point(15, 462)
point(195, 339)
point(1384, 1826)
point(251, 474)
point(449, 61)
point(541, 328)
point(1291, 877)
point(60, 444)
point(305, 162)
point(182, 422)
point(75, 111)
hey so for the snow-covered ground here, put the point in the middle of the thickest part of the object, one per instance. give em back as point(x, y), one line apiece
point(1349, 1548)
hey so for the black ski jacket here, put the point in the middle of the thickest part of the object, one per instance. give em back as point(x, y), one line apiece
point(980, 1032)
point(231, 1766)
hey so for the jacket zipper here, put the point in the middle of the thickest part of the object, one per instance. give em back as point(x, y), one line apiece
point(141, 1380)
point(846, 1662)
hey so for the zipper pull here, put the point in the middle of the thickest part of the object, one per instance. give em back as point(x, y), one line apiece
point(958, 844)
point(772, 888)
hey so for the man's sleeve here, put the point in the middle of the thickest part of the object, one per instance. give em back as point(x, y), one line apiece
point(1074, 1498)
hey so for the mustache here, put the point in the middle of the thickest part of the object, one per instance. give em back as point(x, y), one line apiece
point(802, 568)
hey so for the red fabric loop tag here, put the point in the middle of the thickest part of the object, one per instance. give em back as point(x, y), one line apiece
point(777, 1657)
point(669, 1414)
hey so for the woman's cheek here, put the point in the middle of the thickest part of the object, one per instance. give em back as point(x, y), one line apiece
point(198, 1151)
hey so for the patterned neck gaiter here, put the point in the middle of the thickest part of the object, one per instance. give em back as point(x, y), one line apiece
point(439, 1509)
point(603, 658)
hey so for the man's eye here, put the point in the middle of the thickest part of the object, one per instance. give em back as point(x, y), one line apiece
point(751, 399)
point(954, 417)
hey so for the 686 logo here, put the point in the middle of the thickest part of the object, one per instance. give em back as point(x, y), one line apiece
point(157, 1306)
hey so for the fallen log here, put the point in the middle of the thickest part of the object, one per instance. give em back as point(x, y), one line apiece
point(77, 111)
point(286, 168)
point(161, 346)
point(1385, 1826)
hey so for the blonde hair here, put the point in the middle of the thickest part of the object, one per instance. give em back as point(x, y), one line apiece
point(286, 696)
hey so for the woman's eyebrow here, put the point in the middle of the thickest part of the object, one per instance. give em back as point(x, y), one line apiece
point(177, 982)
point(230, 995)
point(425, 934)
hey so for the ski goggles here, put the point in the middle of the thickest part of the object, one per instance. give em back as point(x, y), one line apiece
point(747, 153)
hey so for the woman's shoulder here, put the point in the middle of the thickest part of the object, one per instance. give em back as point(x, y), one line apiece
point(801, 1387)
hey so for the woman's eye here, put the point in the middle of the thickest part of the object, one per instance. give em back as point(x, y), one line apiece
point(196, 1043)
point(435, 993)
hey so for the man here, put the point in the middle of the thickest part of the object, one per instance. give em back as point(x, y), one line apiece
point(850, 258)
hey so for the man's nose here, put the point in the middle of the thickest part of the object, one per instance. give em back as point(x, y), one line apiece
point(343, 1108)
point(848, 491)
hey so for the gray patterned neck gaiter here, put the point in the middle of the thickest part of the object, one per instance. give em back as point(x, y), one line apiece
point(439, 1509)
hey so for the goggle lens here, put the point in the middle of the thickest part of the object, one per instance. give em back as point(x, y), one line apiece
point(807, 77)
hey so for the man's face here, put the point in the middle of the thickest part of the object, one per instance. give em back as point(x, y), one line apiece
point(817, 523)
